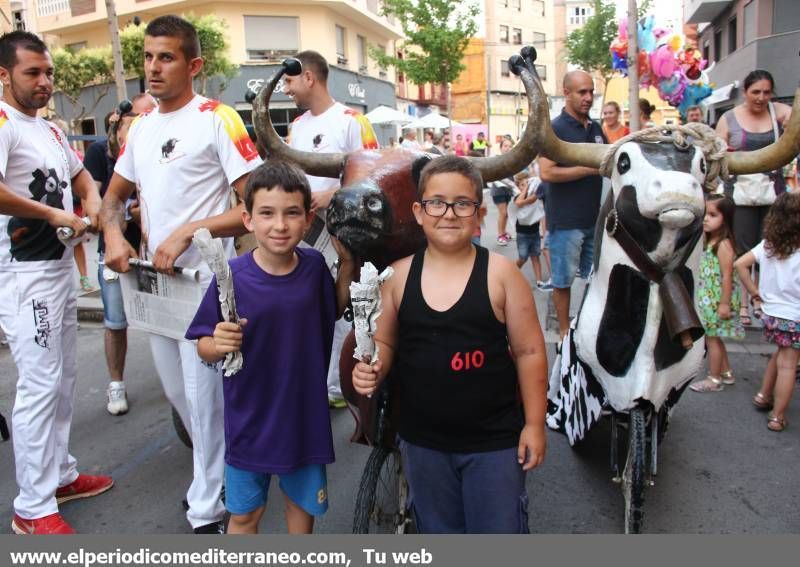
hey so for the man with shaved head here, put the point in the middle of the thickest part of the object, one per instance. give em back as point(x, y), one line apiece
point(573, 195)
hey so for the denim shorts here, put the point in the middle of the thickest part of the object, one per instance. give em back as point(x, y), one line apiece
point(476, 493)
point(571, 251)
point(246, 491)
point(528, 245)
point(113, 308)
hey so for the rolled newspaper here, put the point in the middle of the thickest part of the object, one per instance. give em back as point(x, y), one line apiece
point(365, 296)
point(213, 253)
point(66, 234)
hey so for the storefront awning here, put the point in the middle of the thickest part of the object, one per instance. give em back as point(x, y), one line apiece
point(721, 94)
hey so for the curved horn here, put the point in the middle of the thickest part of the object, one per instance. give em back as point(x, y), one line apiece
point(774, 156)
point(529, 144)
point(538, 136)
point(321, 165)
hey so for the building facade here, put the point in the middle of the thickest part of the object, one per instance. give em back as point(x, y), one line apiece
point(739, 36)
point(260, 34)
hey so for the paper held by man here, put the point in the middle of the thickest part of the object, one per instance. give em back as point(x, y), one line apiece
point(160, 303)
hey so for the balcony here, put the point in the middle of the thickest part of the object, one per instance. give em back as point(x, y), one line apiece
point(700, 11)
point(776, 53)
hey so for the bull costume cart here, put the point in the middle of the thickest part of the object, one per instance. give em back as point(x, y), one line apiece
point(636, 342)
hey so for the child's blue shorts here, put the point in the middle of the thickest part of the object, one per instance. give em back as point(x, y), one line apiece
point(246, 491)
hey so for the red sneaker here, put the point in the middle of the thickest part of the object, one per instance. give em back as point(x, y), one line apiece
point(53, 524)
point(84, 486)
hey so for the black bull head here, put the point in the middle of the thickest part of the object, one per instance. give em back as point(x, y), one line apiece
point(371, 213)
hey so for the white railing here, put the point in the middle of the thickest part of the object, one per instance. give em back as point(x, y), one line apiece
point(51, 7)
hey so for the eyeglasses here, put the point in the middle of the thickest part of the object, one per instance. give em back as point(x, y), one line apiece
point(438, 208)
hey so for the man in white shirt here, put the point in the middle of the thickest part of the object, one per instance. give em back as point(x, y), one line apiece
point(327, 126)
point(410, 140)
point(184, 157)
point(38, 309)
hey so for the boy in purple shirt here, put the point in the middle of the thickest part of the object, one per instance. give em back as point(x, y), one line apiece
point(276, 406)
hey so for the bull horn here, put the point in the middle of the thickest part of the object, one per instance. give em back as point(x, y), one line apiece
point(321, 165)
point(538, 136)
point(774, 156)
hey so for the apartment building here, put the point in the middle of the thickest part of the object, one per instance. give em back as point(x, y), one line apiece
point(738, 36)
point(487, 92)
point(260, 34)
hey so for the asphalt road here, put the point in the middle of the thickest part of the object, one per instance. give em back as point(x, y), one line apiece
point(720, 469)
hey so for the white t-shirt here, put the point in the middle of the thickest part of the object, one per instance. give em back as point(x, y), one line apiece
point(35, 163)
point(338, 129)
point(411, 145)
point(779, 284)
point(183, 164)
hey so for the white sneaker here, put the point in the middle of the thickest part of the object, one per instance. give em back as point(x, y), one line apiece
point(117, 401)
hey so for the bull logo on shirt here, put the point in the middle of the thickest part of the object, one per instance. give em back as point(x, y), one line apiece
point(35, 240)
point(167, 148)
point(317, 140)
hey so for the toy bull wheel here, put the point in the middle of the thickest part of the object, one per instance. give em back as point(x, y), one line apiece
point(634, 473)
point(382, 501)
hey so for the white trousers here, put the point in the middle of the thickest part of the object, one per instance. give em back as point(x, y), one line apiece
point(340, 330)
point(38, 314)
point(194, 388)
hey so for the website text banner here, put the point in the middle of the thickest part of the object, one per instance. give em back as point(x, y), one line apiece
point(397, 551)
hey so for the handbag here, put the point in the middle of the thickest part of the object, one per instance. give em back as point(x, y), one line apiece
point(756, 189)
point(528, 215)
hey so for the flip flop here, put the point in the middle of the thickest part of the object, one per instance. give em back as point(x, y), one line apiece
point(776, 424)
point(762, 402)
point(710, 384)
point(728, 378)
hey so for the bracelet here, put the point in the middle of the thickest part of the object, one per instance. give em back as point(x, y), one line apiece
point(755, 298)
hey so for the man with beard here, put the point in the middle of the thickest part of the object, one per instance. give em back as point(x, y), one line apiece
point(573, 195)
point(38, 305)
point(327, 126)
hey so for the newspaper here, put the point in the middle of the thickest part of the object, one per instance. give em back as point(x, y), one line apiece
point(159, 303)
point(317, 237)
point(213, 253)
point(365, 296)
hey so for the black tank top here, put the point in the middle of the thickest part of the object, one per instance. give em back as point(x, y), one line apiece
point(456, 380)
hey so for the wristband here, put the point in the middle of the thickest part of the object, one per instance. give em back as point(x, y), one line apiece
point(756, 298)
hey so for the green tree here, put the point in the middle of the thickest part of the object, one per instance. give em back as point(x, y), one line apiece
point(78, 69)
point(436, 34)
point(211, 31)
point(587, 46)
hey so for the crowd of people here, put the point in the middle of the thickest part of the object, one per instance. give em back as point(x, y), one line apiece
point(168, 169)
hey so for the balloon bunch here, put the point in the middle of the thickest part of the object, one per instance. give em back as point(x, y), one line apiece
point(665, 62)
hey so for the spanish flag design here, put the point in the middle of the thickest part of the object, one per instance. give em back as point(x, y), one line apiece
point(3, 118)
point(368, 139)
point(234, 127)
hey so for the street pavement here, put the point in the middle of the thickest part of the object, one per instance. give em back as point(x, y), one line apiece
point(720, 469)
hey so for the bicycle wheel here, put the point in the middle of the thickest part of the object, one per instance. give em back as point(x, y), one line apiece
point(633, 476)
point(380, 503)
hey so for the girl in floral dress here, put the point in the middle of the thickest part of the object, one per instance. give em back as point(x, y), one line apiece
point(777, 296)
point(718, 300)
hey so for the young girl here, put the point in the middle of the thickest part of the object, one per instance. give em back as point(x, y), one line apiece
point(777, 296)
point(718, 299)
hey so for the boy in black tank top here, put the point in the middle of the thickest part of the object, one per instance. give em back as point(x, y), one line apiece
point(460, 335)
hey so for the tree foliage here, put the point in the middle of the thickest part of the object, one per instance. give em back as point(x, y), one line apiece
point(588, 46)
point(437, 33)
point(211, 31)
point(78, 69)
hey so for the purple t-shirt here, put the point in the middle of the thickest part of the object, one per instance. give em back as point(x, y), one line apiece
point(276, 407)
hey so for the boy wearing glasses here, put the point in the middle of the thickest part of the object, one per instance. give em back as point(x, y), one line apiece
point(460, 335)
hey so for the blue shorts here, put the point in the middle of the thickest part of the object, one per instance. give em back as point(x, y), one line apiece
point(528, 244)
point(113, 308)
point(246, 491)
point(475, 493)
point(571, 251)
